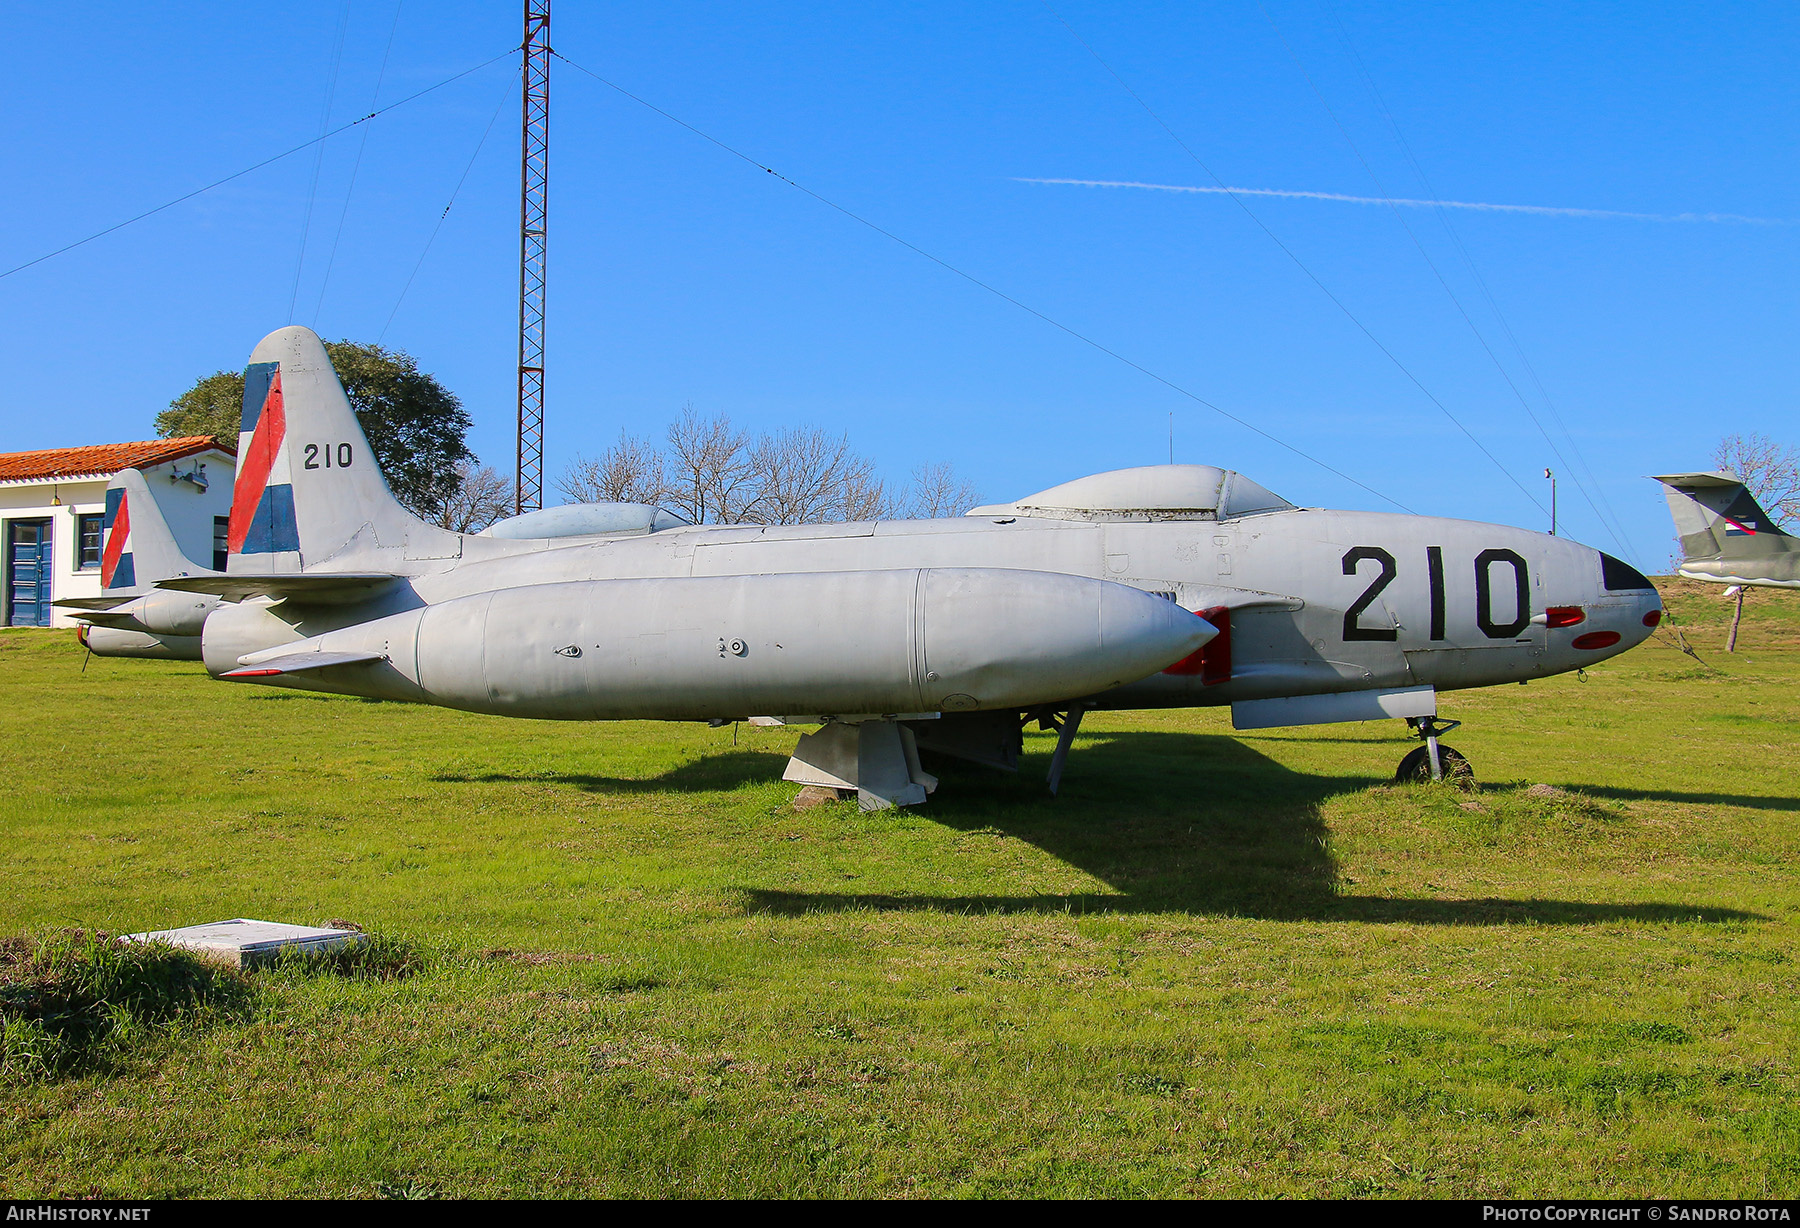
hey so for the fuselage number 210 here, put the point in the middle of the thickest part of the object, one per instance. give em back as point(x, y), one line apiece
point(1485, 563)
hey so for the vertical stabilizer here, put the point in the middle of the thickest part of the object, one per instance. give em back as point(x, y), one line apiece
point(309, 492)
point(1725, 534)
point(137, 548)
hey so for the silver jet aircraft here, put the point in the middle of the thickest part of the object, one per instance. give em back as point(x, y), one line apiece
point(1166, 586)
point(132, 617)
point(1726, 537)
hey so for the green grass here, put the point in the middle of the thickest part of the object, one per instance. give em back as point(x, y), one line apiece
point(619, 963)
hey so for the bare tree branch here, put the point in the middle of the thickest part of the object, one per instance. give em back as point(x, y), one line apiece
point(712, 473)
point(710, 478)
point(479, 497)
point(805, 476)
point(1771, 471)
point(631, 471)
point(936, 491)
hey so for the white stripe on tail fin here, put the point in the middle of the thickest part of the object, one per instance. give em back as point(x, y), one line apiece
point(309, 492)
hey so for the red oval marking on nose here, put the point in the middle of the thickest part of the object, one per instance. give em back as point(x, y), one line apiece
point(1564, 616)
point(1597, 639)
point(1652, 618)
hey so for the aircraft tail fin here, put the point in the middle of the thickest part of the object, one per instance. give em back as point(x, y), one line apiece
point(1725, 534)
point(309, 490)
point(137, 547)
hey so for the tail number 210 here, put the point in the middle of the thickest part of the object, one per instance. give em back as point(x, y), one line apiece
point(329, 455)
point(1485, 562)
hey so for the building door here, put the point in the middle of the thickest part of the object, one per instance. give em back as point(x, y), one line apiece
point(28, 567)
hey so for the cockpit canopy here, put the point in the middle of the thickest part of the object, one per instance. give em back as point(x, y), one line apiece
point(1152, 492)
point(585, 520)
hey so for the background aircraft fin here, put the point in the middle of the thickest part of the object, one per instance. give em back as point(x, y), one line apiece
point(136, 546)
point(1725, 534)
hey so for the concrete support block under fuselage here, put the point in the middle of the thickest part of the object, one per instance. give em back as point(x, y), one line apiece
point(877, 758)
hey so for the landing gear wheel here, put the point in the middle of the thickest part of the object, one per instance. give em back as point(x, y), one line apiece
point(1416, 767)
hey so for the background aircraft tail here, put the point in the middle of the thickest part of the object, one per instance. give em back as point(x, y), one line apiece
point(137, 548)
point(1725, 534)
point(309, 490)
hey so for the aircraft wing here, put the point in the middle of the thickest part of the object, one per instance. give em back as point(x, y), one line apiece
point(319, 588)
point(298, 662)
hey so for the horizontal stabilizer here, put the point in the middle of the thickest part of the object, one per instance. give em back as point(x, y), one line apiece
point(1716, 479)
point(319, 588)
point(93, 603)
point(105, 618)
point(299, 662)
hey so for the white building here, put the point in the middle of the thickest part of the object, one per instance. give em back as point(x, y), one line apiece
point(53, 506)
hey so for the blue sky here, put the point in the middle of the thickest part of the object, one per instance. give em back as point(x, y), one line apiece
point(680, 274)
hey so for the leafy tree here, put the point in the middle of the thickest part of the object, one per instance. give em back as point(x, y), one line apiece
point(415, 425)
point(214, 406)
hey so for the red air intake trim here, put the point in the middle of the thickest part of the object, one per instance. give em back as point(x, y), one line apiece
point(1212, 661)
point(1564, 616)
point(1597, 639)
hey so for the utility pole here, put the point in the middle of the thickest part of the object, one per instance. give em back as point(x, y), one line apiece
point(1552, 478)
point(534, 183)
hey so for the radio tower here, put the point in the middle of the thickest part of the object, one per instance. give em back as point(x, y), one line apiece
point(534, 182)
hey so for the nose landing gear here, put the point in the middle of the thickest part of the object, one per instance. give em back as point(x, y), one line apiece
point(1434, 761)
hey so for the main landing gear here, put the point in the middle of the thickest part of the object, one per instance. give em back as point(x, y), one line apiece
point(1434, 761)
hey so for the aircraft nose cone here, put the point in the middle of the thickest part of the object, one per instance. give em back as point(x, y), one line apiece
point(1623, 611)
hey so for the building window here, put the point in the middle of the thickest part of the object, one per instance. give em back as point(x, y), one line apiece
point(221, 532)
point(88, 542)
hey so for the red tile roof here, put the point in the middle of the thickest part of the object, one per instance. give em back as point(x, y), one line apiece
point(103, 459)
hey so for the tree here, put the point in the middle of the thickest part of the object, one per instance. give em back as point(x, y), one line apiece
point(414, 425)
point(710, 477)
point(712, 473)
point(804, 476)
point(1771, 471)
point(631, 471)
point(481, 497)
point(214, 406)
point(937, 491)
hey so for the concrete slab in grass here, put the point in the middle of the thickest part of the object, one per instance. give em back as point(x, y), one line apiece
point(242, 942)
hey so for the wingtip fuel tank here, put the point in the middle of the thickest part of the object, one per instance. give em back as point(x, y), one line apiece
point(717, 647)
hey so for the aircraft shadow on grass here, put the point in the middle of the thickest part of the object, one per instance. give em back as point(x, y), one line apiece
point(1749, 801)
point(1174, 822)
point(708, 774)
point(1194, 823)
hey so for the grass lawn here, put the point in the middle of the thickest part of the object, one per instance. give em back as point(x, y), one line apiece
point(1217, 965)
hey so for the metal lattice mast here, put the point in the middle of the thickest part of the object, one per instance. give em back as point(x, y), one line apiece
point(534, 182)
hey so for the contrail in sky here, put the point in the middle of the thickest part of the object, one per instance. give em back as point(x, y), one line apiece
point(1540, 210)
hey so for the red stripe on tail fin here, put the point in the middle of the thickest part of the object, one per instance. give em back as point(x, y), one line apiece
point(258, 462)
point(115, 541)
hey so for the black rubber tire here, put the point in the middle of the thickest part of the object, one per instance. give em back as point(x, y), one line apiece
point(1416, 767)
